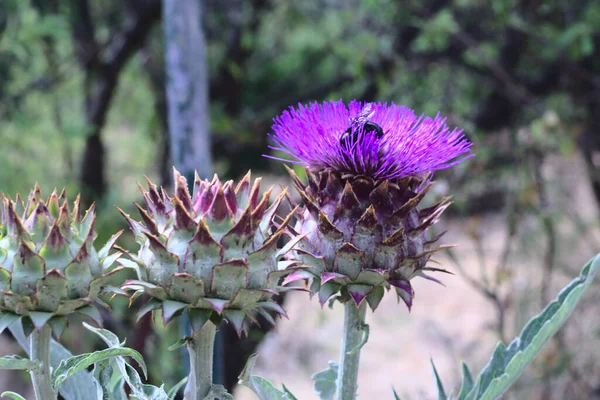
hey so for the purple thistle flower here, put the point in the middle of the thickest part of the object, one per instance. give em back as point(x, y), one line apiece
point(373, 139)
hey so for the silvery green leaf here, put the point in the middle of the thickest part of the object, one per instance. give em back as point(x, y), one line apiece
point(218, 392)
point(109, 384)
point(264, 389)
point(16, 362)
point(467, 382)
point(107, 336)
point(12, 395)
point(325, 381)
point(125, 373)
point(507, 363)
point(80, 386)
point(150, 392)
point(287, 391)
point(440, 387)
point(81, 362)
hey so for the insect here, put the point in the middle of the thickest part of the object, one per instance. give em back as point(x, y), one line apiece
point(350, 136)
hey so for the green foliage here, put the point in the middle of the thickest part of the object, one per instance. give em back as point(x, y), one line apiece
point(12, 395)
point(78, 386)
point(326, 381)
point(327, 50)
point(507, 363)
point(16, 362)
point(264, 389)
point(81, 362)
point(438, 382)
point(467, 381)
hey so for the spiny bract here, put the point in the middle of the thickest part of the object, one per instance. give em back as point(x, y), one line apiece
point(369, 165)
point(363, 235)
point(49, 267)
point(213, 253)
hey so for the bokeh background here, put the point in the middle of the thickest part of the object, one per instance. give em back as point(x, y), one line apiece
point(84, 104)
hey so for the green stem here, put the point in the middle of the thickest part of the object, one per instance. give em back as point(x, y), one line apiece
point(40, 351)
point(200, 348)
point(354, 321)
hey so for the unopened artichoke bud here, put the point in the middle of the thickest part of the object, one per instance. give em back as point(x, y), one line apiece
point(49, 267)
point(215, 253)
point(368, 167)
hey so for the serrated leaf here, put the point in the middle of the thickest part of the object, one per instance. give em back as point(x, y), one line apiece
point(326, 381)
point(467, 382)
point(107, 336)
point(440, 387)
point(508, 363)
point(16, 362)
point(264, 389)
point(124, 372)
point(150, 392)
point(80, 386)
point(81, 362)
point(12, 395)
point(107, 387)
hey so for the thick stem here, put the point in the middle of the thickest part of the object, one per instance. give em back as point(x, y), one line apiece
point(200, 348)
point(354, 321)
point(40, 351)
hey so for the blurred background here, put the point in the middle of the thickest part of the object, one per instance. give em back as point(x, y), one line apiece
point(96, 94)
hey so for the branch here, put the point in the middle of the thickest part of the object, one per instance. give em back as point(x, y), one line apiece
point(84, 36)
point(134, 33)
point(103, 79)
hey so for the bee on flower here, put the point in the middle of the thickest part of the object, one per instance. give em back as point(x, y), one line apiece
point(368, 167)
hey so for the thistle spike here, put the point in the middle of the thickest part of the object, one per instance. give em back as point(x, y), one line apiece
point(54, 270)
point(146, 219)
point(230, 264)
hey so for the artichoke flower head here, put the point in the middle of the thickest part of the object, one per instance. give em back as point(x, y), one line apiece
point(368, 167)
point(214, 254)
point(49, 267)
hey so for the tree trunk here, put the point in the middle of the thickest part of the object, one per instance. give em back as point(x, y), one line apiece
point(187, 87)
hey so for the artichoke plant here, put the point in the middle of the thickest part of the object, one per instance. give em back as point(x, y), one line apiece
point(368, 167)
point(215, 253)
point(49, 267)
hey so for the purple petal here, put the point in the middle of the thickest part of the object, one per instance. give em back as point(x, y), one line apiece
point(313, 135)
